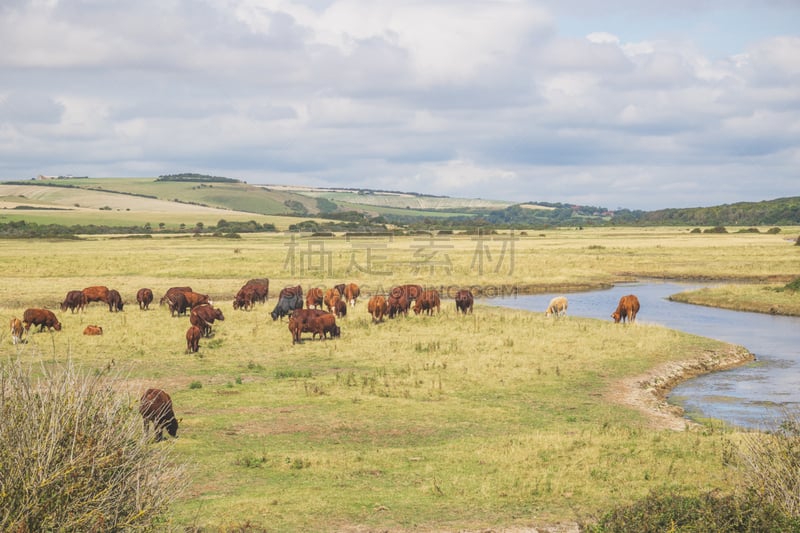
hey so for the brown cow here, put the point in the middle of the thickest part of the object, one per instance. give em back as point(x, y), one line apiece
point(245, 298)
point(193, 335)
point(299, 321)
point(171, 292)
point(322, 325)
point(397, 303)
point(377, 308)
point(92, 329)
point(340, 288)
point(351, 292)
point(74, 300)
point(261, 286)
point(314, 298)
point(331, 297)
point(177, 303)
point(193, 299)
point(114, 300)
point(144, 297)
point(44, 318)
point(203, 316)
point(427, 302)
point(413, 292)
point(340, 309)
point(16, 330)
point(627, 308)
point(96, 293)
point(156, 406)
point(464, 301)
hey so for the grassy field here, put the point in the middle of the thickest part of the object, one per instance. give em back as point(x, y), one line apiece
point(499, 419)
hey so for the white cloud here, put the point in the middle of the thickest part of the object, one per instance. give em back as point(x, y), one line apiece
point(487, 98)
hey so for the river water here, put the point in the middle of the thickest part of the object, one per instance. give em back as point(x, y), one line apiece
point(755, 396)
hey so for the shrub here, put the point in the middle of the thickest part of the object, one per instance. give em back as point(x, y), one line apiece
point(716, 229)
point(770, 463)
point(667, 510)
point(74, 456)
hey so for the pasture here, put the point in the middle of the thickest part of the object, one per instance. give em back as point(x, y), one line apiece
point(498, 419)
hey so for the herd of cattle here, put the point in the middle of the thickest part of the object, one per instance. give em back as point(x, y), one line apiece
point(305, 312)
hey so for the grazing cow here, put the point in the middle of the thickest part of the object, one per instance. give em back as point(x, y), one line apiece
point(340, 288)
point(340, 309)
point(290, 298)
point(245, 298)
point(203, 316)
point(557, 306)
point(627, 308)
point(255, 290)
point(464, 301)
point(262, 288)
point(397, 303)
point(74, 300)
point(331, 297)
point(314, 298)
point(44, 318)
point(171, 292)
point(97, 293)
point(114, 300)
point(322, 325)
point(193, 335)
point(427, 302)
point(16, 330)
point(177, 304)
point(144, 297)
point(377, 308)
point(351, 292)
point(300, 320)
point(156, 406)
point(92, 329)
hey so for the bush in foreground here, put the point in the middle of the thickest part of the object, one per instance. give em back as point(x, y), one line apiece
point(74, 457)
point(667, 510)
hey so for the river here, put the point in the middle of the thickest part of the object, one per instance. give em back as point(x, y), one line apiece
point(754, 396)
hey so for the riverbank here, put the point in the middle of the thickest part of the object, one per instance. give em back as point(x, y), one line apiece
point(756, 298)
point(648, 392)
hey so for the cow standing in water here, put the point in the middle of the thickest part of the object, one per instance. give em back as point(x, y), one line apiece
point(156, 406)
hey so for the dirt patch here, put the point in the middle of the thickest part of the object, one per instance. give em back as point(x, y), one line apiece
point(648, 392)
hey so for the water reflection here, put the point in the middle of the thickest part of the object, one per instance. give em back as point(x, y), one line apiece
point(753, 396)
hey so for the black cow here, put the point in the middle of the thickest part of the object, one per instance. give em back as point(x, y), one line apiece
point(287, 304)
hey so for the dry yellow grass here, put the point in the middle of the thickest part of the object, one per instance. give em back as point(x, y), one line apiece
point(497, 419)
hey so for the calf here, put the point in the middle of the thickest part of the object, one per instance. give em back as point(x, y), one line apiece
point(44, 318)
point(193, 335)
point(156, 406)
point(16, 330)
point(93, 330)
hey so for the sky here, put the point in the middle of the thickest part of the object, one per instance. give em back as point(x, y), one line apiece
point(637, 104)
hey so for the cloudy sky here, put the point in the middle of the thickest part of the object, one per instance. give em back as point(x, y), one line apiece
point(642, 104)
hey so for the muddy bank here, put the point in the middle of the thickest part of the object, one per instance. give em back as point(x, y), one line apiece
point(648, 392)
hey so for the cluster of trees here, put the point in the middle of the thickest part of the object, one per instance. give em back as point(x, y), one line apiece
point(194, 177)
point(31, 230)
